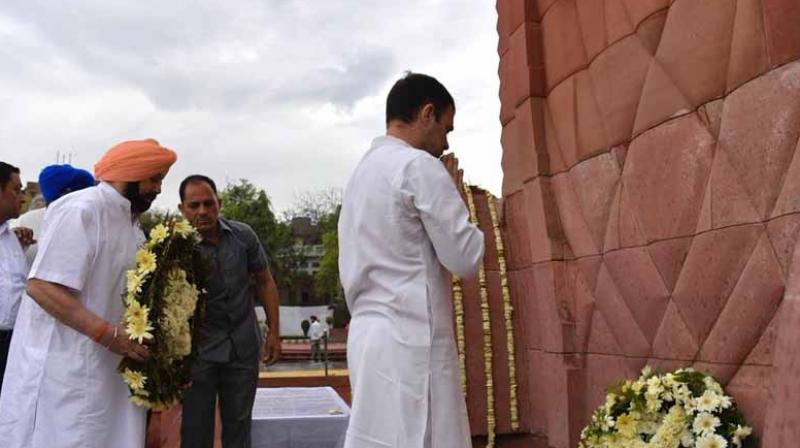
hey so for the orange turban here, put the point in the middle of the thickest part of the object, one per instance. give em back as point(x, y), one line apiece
point(134, 161)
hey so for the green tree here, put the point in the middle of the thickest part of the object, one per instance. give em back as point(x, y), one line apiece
point(242, 201)
point(326, 279)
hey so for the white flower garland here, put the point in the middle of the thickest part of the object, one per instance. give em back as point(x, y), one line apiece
point(164, 308)
point(683, 408)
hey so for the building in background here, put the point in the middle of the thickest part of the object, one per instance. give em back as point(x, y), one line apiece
point(308, 247)
point(30, 191)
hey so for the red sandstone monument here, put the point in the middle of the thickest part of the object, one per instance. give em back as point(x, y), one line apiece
point(650, 214)
point(650, 209)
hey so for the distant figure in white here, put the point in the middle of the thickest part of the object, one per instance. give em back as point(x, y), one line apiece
point(403, 224)
point(315, 333)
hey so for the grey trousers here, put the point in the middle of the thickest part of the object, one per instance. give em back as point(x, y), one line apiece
point(235, 383)
point(316, 350)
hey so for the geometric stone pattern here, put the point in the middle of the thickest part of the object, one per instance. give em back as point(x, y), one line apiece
point(651, 196)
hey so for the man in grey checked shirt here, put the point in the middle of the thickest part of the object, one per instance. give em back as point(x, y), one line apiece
point(228, 353)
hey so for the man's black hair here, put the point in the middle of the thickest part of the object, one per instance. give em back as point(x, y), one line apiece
point(6, 171)
point(413, 91)
point(196, 178)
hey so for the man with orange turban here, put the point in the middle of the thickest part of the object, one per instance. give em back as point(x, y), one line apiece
point(63, 389)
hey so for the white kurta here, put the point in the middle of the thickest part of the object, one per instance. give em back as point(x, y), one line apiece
point(402, 218)
point(61, 389)
point(32, 220)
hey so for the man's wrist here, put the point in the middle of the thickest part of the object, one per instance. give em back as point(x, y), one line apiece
point(98, 333)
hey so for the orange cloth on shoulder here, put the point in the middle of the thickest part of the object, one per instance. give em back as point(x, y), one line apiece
point(134, 161)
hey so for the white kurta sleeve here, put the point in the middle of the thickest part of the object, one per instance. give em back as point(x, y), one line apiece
point(67, 247)
point(431, 191)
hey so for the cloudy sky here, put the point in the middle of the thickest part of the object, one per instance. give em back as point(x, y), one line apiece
point(285, 93)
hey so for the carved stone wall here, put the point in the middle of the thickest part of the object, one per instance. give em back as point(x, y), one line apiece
point(652, 199)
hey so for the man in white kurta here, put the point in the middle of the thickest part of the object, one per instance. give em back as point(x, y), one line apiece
point(64, 390)
point(403, 223)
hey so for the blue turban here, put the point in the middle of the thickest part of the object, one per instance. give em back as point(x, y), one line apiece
point(58, 180)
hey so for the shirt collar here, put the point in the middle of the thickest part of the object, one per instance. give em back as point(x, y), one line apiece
point(4, 227)
point(115, 196)
point(389, 140)
point(223, 225)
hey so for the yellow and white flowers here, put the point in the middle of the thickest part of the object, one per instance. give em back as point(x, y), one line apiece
point(134, 380)
point(137, 323)
point(180, 300)
point(185, 230)
point(711, 441)
point(684, 408)
point(705, 423)
point(163, 296)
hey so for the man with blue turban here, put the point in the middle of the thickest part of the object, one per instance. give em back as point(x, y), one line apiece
point(54, 181)
point(57, 180)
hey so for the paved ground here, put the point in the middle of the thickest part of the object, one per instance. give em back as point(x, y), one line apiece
point(302, 365)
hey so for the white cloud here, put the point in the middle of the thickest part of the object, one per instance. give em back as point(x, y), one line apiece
point(287, 94)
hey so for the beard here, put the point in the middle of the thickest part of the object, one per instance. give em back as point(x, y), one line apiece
point(140, 203)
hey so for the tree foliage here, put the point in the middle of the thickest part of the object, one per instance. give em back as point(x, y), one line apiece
point(317, 205)
point(154, 216)
point(326, 279)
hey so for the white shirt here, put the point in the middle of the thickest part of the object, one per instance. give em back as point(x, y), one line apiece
point(32, 220)
point(315, 331)
point(402, 218)
point(13, 270)
point(61, 389)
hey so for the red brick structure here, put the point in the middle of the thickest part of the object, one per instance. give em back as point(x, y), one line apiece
point(651, 199)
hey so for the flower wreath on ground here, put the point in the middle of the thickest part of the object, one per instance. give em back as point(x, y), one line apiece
point(164, 301)
point(684, 408)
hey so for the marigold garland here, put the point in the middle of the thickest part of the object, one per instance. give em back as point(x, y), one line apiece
point(458, 311)
point(487, 332)
point(508, 314)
